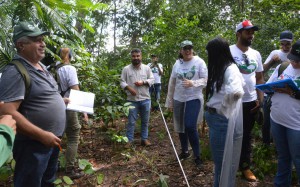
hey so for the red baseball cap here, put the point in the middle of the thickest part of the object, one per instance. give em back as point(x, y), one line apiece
point(245, 25)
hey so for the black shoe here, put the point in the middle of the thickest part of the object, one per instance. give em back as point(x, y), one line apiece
point(184, 155)
point(74, 174)
point(198, 163)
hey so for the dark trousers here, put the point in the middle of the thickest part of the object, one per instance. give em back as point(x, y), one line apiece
point(266, 128)
point(36, 164)
point(248, 123)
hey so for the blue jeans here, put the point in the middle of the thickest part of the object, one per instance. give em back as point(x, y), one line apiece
point(36, 164)
point(143, 109)
point(190, 134)
point(287, 144)
point(218, 125)
point(155, 94)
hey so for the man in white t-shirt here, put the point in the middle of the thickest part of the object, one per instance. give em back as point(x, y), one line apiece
point(250, 65)
point(275, 58)
point(67, 80)
point(157, 70)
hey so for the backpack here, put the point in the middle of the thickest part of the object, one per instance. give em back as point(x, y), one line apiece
point(57, 78)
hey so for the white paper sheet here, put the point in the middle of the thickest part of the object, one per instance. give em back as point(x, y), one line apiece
point(81, 101)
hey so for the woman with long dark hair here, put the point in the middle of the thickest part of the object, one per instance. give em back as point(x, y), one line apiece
point(223, 111)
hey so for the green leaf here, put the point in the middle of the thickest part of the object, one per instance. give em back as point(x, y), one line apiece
point(57, 181)
point(163, 180)
point(100, 178)
point(68, 180)
point(83, 163)
point(89, 171)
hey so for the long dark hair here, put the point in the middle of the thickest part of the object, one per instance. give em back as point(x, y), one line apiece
point(219, 58)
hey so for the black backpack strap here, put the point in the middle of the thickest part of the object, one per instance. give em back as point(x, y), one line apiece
point(57, 78)
point(23, 71)
point(282, 67)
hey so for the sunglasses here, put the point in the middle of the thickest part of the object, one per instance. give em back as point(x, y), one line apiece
point(245, 58)
point(187, 48)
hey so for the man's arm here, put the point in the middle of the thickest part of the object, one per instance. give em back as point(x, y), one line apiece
point(26, 127)
point(274, 60)
point(160, 70)
point(124, 84)
point(260, 80)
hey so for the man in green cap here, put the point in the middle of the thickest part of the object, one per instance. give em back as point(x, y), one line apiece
point(40, 114)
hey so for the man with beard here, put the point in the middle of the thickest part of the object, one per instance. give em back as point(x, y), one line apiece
point(275, 58)
point(250, 65)
point(136, 79)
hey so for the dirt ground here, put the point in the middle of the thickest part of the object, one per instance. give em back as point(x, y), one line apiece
point(143, 166)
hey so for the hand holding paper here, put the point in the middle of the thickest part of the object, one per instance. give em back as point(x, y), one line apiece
point(81, 101)
point(273, 86)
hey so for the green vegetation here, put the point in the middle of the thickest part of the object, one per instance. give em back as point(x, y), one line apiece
point(155, 26)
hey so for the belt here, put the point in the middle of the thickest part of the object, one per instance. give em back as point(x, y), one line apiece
point(211, 109)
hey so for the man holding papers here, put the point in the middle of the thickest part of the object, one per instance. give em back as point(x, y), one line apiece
point(285, 120)
point(276, 57)
point(136, 79)
point(67, 80)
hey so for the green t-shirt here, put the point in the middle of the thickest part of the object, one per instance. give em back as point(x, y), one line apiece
point(7, 137)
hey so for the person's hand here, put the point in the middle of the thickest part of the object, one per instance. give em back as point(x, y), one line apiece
point(85, 117)
point(7, 120)
point(139, 83)
point(66, 100)
point(187, 83)
point(257, 107)
point(276, 60)
point(50, 140)
point(286, 90)
point(131, 90)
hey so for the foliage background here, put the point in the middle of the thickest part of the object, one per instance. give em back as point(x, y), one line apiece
point(155, 26)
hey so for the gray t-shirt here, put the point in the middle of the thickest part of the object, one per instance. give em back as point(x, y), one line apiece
point(44, 107)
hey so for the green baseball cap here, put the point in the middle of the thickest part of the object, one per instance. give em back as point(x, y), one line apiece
point(186, 43)
point(27, 29)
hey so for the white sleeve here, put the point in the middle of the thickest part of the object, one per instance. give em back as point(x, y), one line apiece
point(234, 83)
point(170, 95)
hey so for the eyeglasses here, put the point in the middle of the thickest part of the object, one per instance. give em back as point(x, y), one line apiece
point(187, 48)
point(246, 60)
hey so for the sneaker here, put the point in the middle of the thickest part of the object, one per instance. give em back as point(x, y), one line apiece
point(184, 155)
point(73, 173)
point(249, 176)
point(145, 143)
point(198, 163)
